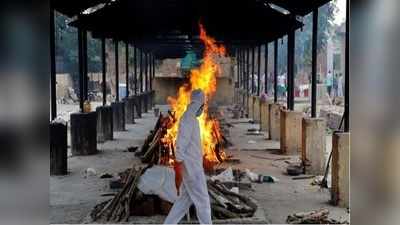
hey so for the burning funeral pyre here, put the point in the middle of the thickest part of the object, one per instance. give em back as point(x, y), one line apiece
point(158, 149)
point(159, 146)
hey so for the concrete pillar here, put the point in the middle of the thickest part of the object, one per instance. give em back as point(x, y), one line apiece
point(138, 107)
point(291, 132)
point(243, 101)
point(313, 145)
point(145, 102)
point(58, 148)
point(149, 104)
point(153, 97)
point(118, 109)
point(247, 105)
point(142, 103)
point(340, 169)
point(104, 123)
point(251, 106)
point(83, 133)
point(129, 110)
point(256, 109)
point(264, 118)
point(274, 131)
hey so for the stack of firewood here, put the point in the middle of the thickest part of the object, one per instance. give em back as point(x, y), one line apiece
point(153, 151)
point(119, 208)
point(225, 204)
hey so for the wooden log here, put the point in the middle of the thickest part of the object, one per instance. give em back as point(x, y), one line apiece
point(226, 214)
point(242, 198)
point(84, 133)
point(58, 149)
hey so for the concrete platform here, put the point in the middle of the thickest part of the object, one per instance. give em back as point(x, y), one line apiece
point(72, 197)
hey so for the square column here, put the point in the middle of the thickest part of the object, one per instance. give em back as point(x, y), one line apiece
point(313, 145)
point(83, 133)
point(256, 109)
point(137, 106)
point(340, 169)
point(118, 109)
point(58, 149)
point(264, 118)
point(274, 130)
point(250, 101)
point(129, 110)
point(104, 123)
point(291, 132)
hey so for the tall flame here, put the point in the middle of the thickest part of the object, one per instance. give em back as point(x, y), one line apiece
point(204, 78)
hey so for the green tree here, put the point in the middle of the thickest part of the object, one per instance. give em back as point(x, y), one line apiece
point(67, 48)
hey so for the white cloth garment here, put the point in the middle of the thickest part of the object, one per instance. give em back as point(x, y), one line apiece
point(188, 150)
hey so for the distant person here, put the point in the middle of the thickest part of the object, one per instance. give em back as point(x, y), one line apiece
point(328, 82)
point(335, 85)
point(281, 85)
point(340, 85)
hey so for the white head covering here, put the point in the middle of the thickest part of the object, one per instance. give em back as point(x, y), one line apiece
point(197, 100)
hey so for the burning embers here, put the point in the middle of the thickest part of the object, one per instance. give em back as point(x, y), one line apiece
point(166, 130)
point(158, 151)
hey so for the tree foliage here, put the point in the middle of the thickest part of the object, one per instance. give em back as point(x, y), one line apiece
point(67, 48)
point(303, 45)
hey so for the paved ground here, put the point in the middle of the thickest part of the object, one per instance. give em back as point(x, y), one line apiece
point(73, 196)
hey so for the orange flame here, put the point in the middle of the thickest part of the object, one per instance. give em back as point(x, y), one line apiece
point(204, 78)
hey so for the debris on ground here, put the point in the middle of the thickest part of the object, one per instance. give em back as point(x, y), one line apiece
point(254, 133)
point(294, 170)
point(270, 158)
point(133, 148)
point(303, 177)
point(319, 179)
point(106, 175)
point(89, 172)
point(232, 160)
point(313, 217)
point(259, 178)
point(116, 184)
point(224, 176)
point(235, 190)
point(239, 184)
